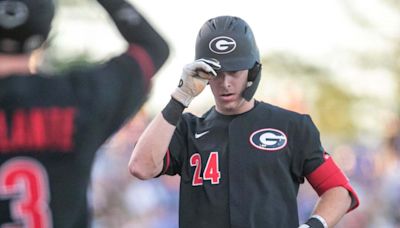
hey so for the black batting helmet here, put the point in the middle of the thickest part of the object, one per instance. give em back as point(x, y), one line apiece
point(24, 24)
point(230, 40)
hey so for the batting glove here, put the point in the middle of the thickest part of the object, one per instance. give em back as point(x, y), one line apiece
point(194, 79)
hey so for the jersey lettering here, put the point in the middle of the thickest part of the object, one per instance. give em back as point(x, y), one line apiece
point(24, 181)
point(211, 170)
point(37, 129)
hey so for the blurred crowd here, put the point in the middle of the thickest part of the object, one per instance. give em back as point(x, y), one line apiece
point(374, 171)
point(120, 200)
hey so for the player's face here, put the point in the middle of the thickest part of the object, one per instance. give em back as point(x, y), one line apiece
point(227, 88)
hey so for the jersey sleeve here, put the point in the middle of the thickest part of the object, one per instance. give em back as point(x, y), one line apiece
point(176, 149)
point(145, 42)
point(110, 93)
point(309, 153)
point(107, 94)
point(314, 163)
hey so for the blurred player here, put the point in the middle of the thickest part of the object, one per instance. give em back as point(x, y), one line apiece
point(242, 162)
point(52, 125)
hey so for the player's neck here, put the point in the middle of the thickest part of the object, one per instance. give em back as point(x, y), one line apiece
point(15, 65)
point(242, 107)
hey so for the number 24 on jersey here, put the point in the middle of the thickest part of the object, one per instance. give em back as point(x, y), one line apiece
point(211, 170)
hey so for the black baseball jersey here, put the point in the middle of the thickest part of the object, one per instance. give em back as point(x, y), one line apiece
point(50, 129)
point(242, 170)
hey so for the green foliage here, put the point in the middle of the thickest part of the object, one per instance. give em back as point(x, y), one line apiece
point(331, 105)
point(389, 59)
point(79, 61)
point(56, 63)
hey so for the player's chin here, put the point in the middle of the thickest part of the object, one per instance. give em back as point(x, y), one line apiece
point(227, 106)
point(226, 103)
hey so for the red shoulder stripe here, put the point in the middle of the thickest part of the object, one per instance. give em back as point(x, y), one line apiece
point(144, 60)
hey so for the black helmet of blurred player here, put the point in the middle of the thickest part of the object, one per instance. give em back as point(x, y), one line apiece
point(230, 41)
point(24, 24)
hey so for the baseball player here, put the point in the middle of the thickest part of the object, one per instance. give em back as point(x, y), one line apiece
point(52, 125)
point(242, 162)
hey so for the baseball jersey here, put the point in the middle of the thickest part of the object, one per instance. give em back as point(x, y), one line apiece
point(242, 170)
point(50, 129)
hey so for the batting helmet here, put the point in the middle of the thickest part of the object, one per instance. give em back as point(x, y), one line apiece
point(24, 24)
point(230, 41)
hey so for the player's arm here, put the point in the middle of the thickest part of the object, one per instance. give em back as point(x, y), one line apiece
point(146, 45)
point(337, 197)
point(332, 206)
point(147, 157)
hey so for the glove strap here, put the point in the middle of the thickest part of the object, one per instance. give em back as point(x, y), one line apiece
point(173, 111)
point(182, 97)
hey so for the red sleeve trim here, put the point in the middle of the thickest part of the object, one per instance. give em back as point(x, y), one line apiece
point(144, 60)
point(167, 162)
point(328, 175)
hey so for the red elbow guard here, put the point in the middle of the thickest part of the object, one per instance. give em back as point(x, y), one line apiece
point(328, 175)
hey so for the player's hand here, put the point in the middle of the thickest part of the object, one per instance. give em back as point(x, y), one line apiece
point(194, 79)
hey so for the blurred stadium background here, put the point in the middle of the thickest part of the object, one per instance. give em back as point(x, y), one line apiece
point(338, 60)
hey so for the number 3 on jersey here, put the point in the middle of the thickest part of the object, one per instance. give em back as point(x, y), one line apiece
point(25, 181)
point(211, 170)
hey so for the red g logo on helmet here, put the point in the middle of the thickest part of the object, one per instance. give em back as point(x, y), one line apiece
point(222, 45)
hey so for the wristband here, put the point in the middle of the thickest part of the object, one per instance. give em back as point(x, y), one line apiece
point(173, 111)
point(320, 219)
point(315, 221)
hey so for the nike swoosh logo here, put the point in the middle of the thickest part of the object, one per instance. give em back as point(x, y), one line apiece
point(198, 135)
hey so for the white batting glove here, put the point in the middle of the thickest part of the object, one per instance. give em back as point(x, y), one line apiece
point(194, 79)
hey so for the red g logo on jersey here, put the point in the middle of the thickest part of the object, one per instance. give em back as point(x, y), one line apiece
point(268, 139)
